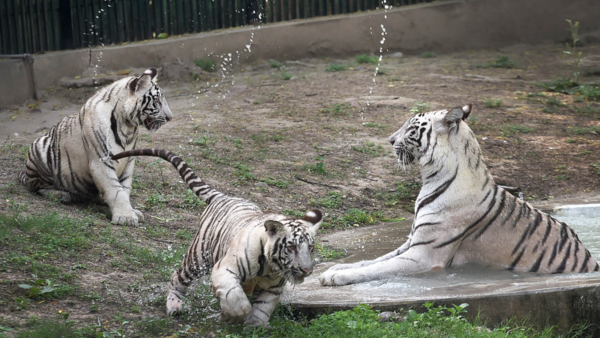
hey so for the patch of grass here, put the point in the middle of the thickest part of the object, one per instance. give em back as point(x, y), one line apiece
point(336, 67)
point(512, 129)
point(275, 182)
point(293, 213)
point(590, 92)
point(493, 103)
point(286, 76)
point(354, 217)
point(190, 201)
point(317, 168)
point(337, 109)
point(326, 253)
point(419, 107)
point(576, 130)
point(39, 288)
point(155, 200)
point(206, 65)
point(428, 55)
point(503, 61)
point(243, 173)
point(588, 110)
point(201, 142)
point(275, 64)
point(333, 200)
point(553, 101)
point(404, 195)
point(370, 148)
point(561, 85)
point(374, 125)
point(363, 58)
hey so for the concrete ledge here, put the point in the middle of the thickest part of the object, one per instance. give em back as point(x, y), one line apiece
point(15, 85)
point(443, 27)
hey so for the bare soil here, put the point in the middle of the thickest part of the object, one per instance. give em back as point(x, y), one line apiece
point(295, 138)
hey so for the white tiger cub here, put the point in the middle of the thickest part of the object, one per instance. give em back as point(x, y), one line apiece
point(248, 251)
point(71, 162)
point(462, 216)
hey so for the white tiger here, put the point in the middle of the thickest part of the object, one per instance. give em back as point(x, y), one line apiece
point(71, 162)
point(462, 216)
point(248, 251)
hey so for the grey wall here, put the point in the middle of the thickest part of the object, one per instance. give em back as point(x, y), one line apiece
point(442, 27)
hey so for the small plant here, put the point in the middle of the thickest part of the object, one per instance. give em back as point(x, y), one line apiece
point(276, 183)
point(503, 61)
point(428, 55)
point(369, 148)
point(190, 201)
point(336, 67)
point(590, 92)
point(243, 172)
point(588, 110)
point(584, 130)
point(201, 142)
point(572, 49)
point(155, 199)
point(419, 107)
point(337, 109)
point(206, 65)
point(553, 101)
point(327, 254)
point(511, 129)
point(333, 200)
point(286, 76)
point(275, 64)
point(45, 288)
point(293, 213)
point(363, 58)
point(374, 125)
point(493, 103)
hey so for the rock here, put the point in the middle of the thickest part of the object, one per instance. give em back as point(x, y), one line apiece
point(389, 316)
point(396, 55)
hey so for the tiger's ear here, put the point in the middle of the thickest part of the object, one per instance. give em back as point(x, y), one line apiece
point(315, 217)
point(456, 114)
point(273, 228)
point(143, 83)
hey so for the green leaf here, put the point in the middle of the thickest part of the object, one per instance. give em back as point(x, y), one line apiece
point(25, 286)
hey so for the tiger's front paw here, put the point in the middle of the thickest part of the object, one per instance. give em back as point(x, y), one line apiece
point(235, 313)
point(254, 321)
point(174, 305)
point(338, 267)
point(126, 218)
point(139, 215)
point(336, 278)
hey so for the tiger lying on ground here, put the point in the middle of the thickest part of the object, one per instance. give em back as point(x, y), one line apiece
point(71, 162)
point(248, 251)
point(462, 216)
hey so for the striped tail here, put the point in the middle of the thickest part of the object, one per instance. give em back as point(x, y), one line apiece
point(201, 189)
point(23, 177)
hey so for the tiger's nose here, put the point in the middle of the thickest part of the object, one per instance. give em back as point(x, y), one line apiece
point(392, 140)
point(169, 118)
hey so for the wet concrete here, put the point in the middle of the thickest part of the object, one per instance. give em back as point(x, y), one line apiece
point(563, 300)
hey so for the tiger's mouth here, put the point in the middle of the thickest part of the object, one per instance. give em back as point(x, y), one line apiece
point(405, 156)
point(152, 124)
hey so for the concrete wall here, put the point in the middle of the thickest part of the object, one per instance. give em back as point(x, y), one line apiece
point(443, 27)
point(15, 83)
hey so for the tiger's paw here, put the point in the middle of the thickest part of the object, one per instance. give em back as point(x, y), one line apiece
point(235, 312)
point(338, 267)
point(254, 321)
point(139, 215)
point(336, 278)
point(174, 305)
point(125, 219)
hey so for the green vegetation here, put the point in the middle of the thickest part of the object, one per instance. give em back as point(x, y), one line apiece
point(428, 55)
point(404, 195)
point(584, 130)
point(206, 65)
point(553, 101)
point(275, 64)
point(512, 129)
point(419, 107)
point(337, 109)
point(576, 56)
point(333, 200)
point(327, 254)
point(503, 61)
point(286, 76)
point(370, 148)
point(374, 125)
point(363, 58)
point(493, 103)
point(353, 217)
point(336, 67)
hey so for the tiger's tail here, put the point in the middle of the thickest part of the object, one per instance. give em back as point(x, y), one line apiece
point(195, 183)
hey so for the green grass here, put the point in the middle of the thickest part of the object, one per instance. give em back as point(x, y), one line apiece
point(374, 125)
point(404, 195)
point(503, 61)
point(337, 109)
point(286, 76)
point(419, 107)
point(275, 182)
point(333, 200)
point(275, 64)
point(428, 55)
point(512, 129)
point(553, 101)
point(370, 148)
point(363, 58)
point(354, 217)
point(326, 253)
point(576, 130)
point(493, 103)
point(336, 67)
point(206, 65)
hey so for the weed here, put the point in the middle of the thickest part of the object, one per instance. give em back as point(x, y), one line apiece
point(561, 85)
point(190, 201)
point(336, 67)
point(275, 64)
point(570, 140)
point(395, 79)
point(374, 125)
point(337, 109)
point(503, 61)
point(404, 195)
point(369, 148)
point(327, 254)
point(243, 172)
point(286, 76)
point(184, 234)
point(21, 303)
point(584, 130)
point(428, 55)
point(333, 200)
point(354, 217)
point(596, 168)
point(511, 129)
point(292, 213)
point(590, 92)
point(45, 289)
point(206, 65)
point(363, 58)
point(318, 168)
point(419, 107)
point(493, 103)
point(201, 142)
point(276, 183)
point(553, 101)
point(155, 200)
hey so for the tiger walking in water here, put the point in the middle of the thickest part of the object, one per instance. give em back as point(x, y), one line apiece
point(462, 216)
point(248, 251)
point(71, 162)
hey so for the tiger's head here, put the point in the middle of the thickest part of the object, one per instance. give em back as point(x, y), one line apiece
point(151, 108)
point(290, 245)
point(420, 133)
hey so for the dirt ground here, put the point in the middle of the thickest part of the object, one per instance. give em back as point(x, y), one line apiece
point(298, 137)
